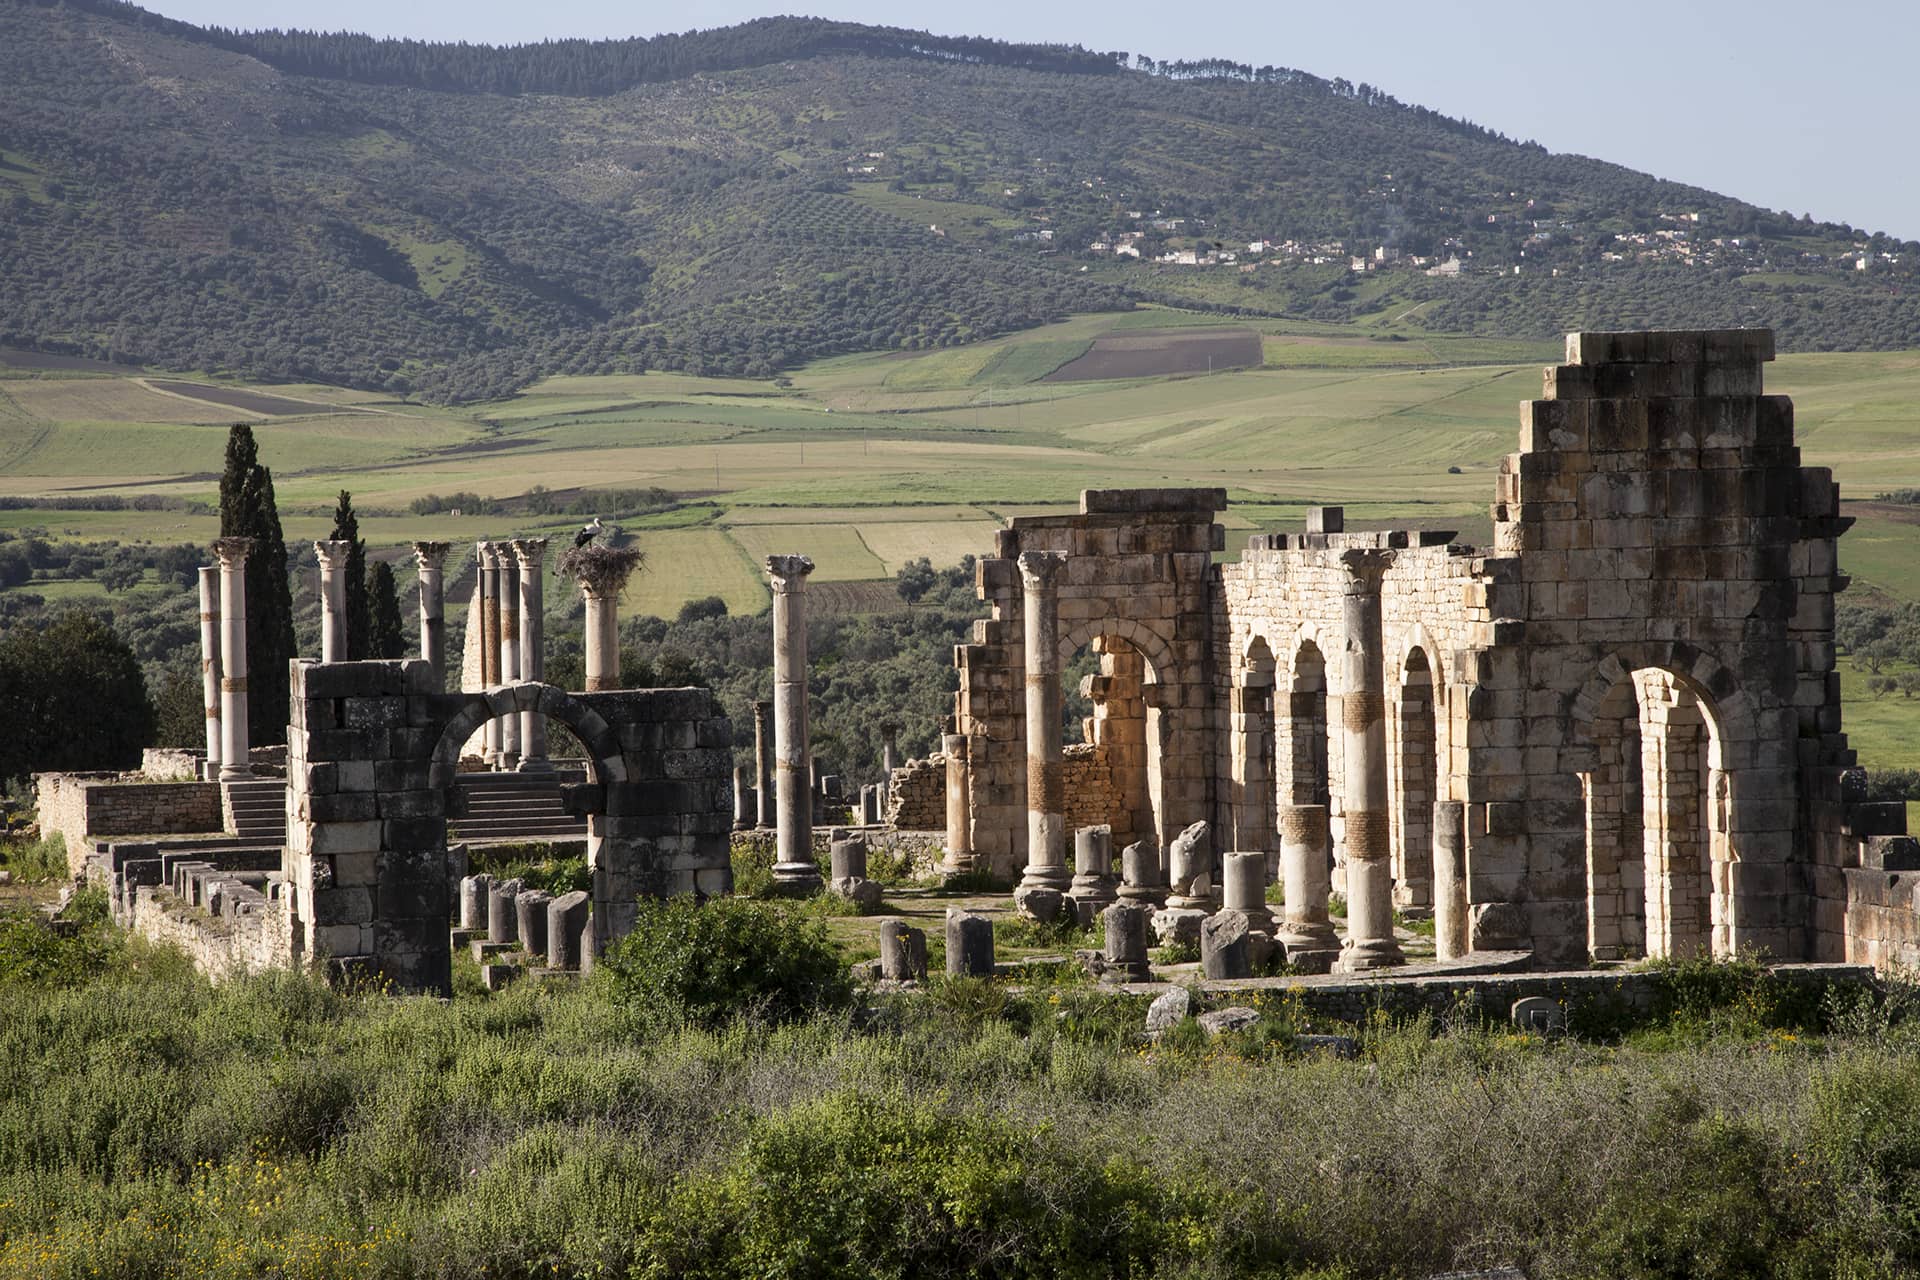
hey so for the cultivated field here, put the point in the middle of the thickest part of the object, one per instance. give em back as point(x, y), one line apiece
point(867, 462)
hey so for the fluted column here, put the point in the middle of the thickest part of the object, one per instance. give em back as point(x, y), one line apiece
point(234, 745)
point(763, 765)
point(333, 557)
point(1307, 877)
point(1370, 942)
point(1040, 573)
point(532, 555)
point(793, 866)
point(210, 665)
point(486, 563)
point(431, 558)
point(959, 806)
point(509, 648)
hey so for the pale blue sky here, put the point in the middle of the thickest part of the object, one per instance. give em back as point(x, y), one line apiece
point(1797, 106)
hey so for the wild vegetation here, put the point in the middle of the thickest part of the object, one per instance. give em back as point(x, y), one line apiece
point(454, 222)
point(156, 1125)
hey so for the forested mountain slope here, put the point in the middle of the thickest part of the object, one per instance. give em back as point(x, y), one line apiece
point(454, 220)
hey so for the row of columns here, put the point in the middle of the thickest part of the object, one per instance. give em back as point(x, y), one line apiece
point(1370, 941)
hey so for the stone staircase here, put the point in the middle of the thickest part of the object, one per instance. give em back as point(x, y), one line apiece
point(256, 811)
point(495, 807)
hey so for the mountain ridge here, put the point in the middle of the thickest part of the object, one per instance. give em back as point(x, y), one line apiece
point(176, 200)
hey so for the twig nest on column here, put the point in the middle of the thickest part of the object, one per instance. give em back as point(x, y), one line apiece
point(599, 569)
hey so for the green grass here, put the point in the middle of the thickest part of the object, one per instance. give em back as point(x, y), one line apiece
point(1885, 731)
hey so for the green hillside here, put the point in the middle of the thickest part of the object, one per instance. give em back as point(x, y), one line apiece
point(454, 222)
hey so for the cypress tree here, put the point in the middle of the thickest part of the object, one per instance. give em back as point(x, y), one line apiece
point(248, 510)
point(385, 639)
point(346, 528)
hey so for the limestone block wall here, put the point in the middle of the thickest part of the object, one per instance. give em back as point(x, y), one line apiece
point(172, 764)
point(917, 795)
point(1093, 797)
point(374, 752)
point(83, 807)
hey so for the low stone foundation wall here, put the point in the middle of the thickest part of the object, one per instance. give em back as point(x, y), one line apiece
point(219, 946)
point(85, 806)
point(172, 764)
point(1595, 995)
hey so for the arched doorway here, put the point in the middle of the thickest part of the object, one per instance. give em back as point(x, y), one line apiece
point(1416, 767)
point(1111, 741)
point(1658, 846)
point(1254, 734)
point(1301, 767)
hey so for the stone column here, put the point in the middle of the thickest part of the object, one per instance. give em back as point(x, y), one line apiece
point(333, 598)
point(1040, 573)
point(1370, 942)
point(532, 556)
point(959, 806)
point(793, 866)
point(1311, 943)
point(486, 563)
point(763, 766)
point(603, 638)
point(431, 559)
point(509, 649)
point(1450, 879)
point(889, 750)
point(210, 665)
point(233, 553)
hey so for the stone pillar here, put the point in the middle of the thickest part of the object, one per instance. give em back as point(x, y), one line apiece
point(1040, 573)
point(333, 598)
point(486, 563)
point(603, 638)
point(959, 816)
point(1126, 949)
point(889, 751)
point(1450, 879)
point(532, 556)
point(969, 944)
point(234, 743)
point(210, 665)
point(763, 766)
point(430, 558)
point(1370, 942)
point(509, 649)
point(793, 866)
point(1252, 751)
point(1244, 879)
point(1307, 931)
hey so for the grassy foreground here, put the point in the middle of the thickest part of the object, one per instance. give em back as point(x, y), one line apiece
point(153, 1125)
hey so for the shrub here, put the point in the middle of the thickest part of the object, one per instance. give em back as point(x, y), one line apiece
point(35, 861)
point(33, 954)
point(708, 963)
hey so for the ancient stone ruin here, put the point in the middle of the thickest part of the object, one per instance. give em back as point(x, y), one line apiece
point(1616, 732)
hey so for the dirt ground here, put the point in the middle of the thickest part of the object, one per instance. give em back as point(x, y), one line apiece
point(1153, 353)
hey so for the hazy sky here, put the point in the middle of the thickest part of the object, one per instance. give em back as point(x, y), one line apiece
point(1796, 106)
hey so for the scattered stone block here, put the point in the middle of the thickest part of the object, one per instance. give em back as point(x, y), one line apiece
point(496, 976)
point(567, 919)
point(903, 951)
point(1178, 926)
point(969, 944)
point(1333, 1046)
point(1037, 902)
point(1168, 1010)
point(1539, 1015)
point(1223, 946)
point(1220, 1021)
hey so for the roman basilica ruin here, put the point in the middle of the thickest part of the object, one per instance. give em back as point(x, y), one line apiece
point(1613, 733)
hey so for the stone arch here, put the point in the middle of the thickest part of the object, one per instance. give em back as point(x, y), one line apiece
point(1115, 773)
point(1686, 709)
point(1417, 637)
point(605, 763)
point(1254, 799)
point(1414, 771)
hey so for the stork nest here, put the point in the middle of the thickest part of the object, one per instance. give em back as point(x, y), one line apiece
point(602, 570)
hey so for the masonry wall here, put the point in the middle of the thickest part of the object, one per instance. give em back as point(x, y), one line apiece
point(917, 795)
point(83, 807)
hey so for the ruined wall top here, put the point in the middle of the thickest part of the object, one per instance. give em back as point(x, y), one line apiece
point(1197, 502)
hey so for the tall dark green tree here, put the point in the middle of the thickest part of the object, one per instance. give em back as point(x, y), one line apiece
point(385, 639)
point(346, 528)
point(248, 510)
point(71, 697)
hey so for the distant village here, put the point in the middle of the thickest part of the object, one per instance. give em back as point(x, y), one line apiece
point(1172, 238)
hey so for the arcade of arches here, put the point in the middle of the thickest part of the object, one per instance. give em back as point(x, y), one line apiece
point(1615, 732)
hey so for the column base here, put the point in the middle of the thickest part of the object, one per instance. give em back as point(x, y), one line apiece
point(1151, 895)
point(536, 764)
point(1059, 879)
point(797, 879)
point(1313, 948)
point(1362, 955)
point(236, 773)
